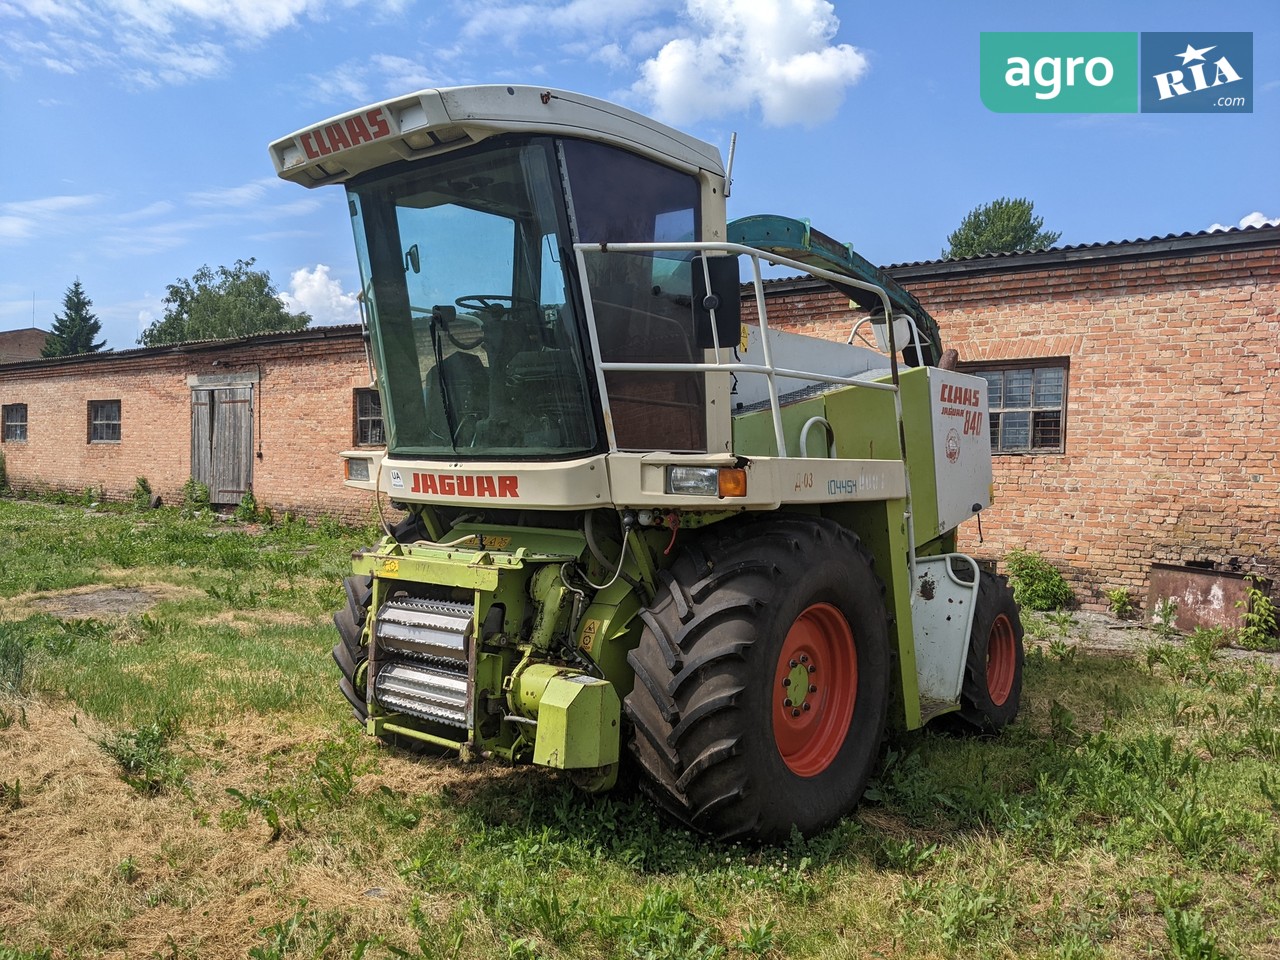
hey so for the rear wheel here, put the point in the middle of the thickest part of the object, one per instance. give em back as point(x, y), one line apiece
point(762, 679)
point(992, 690)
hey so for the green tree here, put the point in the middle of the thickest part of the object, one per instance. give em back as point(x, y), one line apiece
point(74, 328)
point(1001, 226)
point(231, 302)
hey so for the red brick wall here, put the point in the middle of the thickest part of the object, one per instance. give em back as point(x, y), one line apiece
point(25, 344)
point(1172, 432)
point(305, 405)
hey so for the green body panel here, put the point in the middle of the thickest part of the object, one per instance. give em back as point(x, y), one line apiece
point(882, 527)
point(753, 434)
point(866, 428)
point(578, 717)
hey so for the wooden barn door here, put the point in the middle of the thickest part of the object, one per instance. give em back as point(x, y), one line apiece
point(222, 441)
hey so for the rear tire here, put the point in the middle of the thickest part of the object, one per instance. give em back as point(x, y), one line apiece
point(762, 679)
point(992, 689)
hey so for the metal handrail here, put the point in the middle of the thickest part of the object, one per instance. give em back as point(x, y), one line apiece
point(767, 369)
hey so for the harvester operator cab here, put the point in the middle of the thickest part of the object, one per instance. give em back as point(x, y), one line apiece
point(471, 282)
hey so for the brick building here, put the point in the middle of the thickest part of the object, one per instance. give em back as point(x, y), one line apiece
point(24, 344)
point(270, 412)
point(1134, 390)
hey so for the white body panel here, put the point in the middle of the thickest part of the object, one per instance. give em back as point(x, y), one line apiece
point(942, 615)
point(434, 121)
point(961, 445)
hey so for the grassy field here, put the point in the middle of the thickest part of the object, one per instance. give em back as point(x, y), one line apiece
point(179, 778)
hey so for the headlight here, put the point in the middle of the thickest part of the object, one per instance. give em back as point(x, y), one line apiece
point(707, 481)
point(357, 469)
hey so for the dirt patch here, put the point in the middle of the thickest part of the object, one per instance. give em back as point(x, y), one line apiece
point(1102, 634)
point(98, 603)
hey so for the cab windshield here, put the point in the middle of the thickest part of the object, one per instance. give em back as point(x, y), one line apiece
point(479, 350)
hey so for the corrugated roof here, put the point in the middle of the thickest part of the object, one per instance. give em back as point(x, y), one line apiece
point(1173, 244)
point(1102, 245)
point(198, 346)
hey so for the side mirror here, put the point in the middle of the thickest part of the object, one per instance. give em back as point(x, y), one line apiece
point(724, 297)
point(413, 260)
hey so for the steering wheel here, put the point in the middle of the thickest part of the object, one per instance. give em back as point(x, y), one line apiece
point(483, 302)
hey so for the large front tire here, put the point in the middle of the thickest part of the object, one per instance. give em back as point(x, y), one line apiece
point(762, 679)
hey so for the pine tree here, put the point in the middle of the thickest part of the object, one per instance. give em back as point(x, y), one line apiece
point(74, 329)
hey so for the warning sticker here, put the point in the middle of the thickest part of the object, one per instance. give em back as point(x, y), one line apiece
point(589, 630)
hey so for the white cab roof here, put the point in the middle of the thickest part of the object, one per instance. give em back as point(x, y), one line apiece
point(434, 121)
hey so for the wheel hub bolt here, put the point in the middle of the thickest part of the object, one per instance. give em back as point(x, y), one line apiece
point(786, 702)
point(786, 681)
point(793, 664)
point(804, 658)
point(813, 688)
point(805, 705)
point(795, 713)
point(812, 668)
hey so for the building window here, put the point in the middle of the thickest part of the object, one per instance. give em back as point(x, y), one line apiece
point(1028, 406)
point(369, 419)
point(14, 419)
point(104, 421)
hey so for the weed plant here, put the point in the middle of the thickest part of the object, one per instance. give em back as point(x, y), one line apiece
point(1120, 603)
point(1163, 617)
point(142, 494)
point(1261, 629)
point(1037, 584)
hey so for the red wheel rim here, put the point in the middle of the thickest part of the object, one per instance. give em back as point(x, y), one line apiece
point(814, 688)
point(1002, 660)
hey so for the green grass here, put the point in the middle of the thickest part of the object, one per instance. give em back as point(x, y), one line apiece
point(1132, 810)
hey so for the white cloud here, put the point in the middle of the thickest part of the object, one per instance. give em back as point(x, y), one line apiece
point(773, 54)
point(22, 219)
point(509, 22)
point(154, 43)
point(16, 228)
point(1255, 219)
point(246, 195)
point(47, 206)
point(320, 295)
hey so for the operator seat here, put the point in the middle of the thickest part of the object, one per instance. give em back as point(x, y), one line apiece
point(466, 381)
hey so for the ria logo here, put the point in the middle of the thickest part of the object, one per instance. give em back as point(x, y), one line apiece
point(1197, 73)
point(1171, 84)
point(1116, 72)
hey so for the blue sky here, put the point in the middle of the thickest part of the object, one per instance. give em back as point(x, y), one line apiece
point(135, 131)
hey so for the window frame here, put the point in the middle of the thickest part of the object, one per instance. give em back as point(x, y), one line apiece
point(104, 422)
point(359, 418)
point(997, 413)
point(6, 411)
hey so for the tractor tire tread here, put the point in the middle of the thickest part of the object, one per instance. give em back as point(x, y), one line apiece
point(697, 725)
